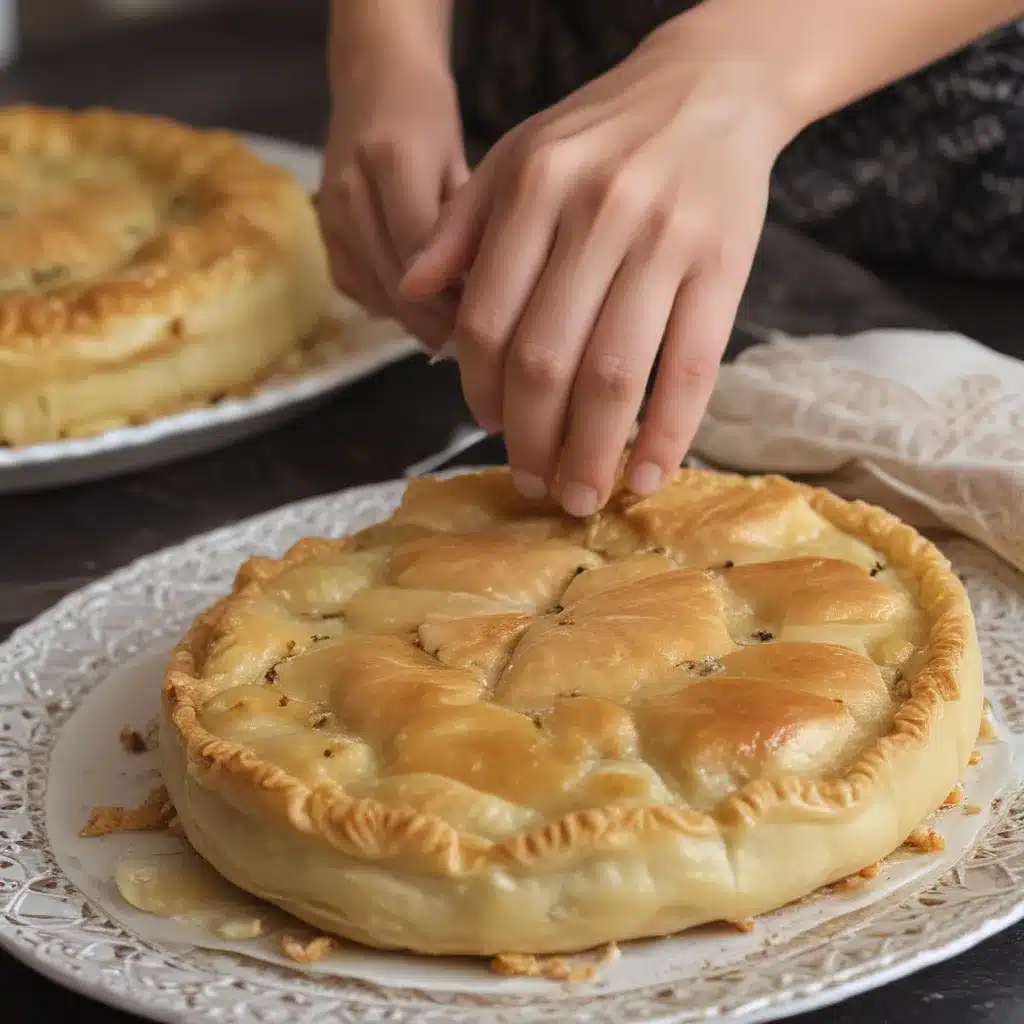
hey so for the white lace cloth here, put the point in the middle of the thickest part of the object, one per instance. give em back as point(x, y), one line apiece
point(927, 424)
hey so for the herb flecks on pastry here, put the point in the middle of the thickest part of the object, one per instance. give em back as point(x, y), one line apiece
point(484, 728)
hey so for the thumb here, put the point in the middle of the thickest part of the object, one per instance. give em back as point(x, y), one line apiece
point(446, 258)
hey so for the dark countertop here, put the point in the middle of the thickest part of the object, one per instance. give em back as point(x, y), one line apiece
point(263, 73)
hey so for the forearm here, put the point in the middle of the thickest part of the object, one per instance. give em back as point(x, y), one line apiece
point(364, 27)
point(824, 54)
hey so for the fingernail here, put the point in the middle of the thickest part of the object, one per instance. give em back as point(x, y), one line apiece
point(579, 500)
point(529, 486)
point(645, 478)
point(445, 352)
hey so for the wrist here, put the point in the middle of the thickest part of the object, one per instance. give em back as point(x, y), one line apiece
point(737, 82)
point(369, 32)
point(816, 57)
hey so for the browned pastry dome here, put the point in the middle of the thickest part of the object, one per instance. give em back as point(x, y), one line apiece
point(483, 727)
point(144, 267)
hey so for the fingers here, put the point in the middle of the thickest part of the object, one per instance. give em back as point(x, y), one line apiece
point(509, 263)
point(408, 199)
point(548, 343)
point(611, 380)
point(353, 216)
point(698, 330)
point(449, 253)
point(351, 275)
point(365, 261)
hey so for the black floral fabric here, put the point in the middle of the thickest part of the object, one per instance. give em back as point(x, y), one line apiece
point(928, 171)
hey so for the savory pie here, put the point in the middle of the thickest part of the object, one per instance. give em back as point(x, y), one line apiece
point(144, 267)
point(483, 727)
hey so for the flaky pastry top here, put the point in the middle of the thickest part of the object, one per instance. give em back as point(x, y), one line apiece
point(481, 680)
point(110, 219)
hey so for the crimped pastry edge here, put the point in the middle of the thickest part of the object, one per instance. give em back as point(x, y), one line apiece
point(933, 730)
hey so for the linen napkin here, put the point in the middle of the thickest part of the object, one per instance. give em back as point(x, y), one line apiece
point(927, 424)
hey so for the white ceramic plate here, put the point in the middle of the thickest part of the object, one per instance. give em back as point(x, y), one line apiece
point(73, 677)
point(376, 344)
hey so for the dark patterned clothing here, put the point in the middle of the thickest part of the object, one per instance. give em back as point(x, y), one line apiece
point(928, 171)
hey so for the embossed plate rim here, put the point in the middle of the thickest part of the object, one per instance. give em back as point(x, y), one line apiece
point(42, 677)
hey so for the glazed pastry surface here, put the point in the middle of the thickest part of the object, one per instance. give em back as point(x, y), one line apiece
point(145, 267)
point(482, 727)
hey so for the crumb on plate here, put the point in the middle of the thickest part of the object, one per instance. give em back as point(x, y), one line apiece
point(924, 840)
point(155, 812)
point(239, 929)
point(975, 758)
point(552, 968)
point(972, 809)
point(988, 728)
point(857, 881)
point(309, 951)
point(955, 796)
point(741, 924)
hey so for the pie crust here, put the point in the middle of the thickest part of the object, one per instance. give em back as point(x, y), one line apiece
point(144, 267)
point(481, 727)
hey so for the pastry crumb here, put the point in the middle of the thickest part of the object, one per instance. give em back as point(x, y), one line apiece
point(155, 812)
point(857, 881)
point(240, 929)
point(552, 968)
point(975, 758)
point(925, 840)
point(311, 951)
point(955, 796)
point(741, 924)
point(972, 809)
point(988, 729)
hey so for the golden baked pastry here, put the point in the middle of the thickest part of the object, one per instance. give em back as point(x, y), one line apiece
point(481, 727)
point(144, 267)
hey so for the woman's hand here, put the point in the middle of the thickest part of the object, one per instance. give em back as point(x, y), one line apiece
point(621, 222)
point(394, 155)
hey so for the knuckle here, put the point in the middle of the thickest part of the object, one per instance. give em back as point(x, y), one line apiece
point(541, 368)
point(346, 184)
point(545, 168)
point(612, 378)
point(385, 152)
point(670, 227)
point(618, 196)
point(476, 330)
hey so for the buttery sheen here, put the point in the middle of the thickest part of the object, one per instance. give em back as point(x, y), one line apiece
point(145, 267)
point(482, 727)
